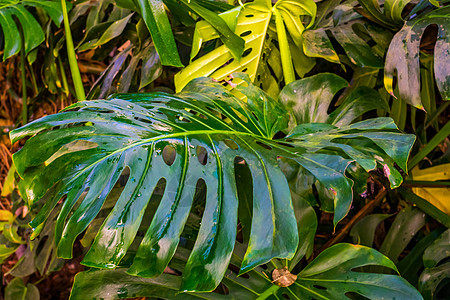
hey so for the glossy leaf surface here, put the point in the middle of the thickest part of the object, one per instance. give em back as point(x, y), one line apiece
point(155, 17)
point(32, 31)
point(403, 57)
point(331, 275)
point(309, 100)
point(79, 154)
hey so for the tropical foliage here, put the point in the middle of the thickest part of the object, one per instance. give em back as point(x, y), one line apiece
point(227, 149)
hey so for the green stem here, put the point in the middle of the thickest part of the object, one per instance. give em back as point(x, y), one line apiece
point(436, 140)
point(78, 84)
point(33, 79)
point(436, 113)
point(24, 82)
point(269, 292)
point(429, 184)
point(286, 60)
point(426, 206)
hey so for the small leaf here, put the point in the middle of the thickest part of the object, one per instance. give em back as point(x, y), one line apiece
point(16, 290)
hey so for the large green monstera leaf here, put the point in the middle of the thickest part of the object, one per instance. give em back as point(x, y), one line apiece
point(72, 160)
point(32, 31)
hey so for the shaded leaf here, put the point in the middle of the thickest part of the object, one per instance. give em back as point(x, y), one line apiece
point(363, 232)
point(16, 290)
point(405, 226)
point(331, 275)
point(30, 27)
point(403, 57)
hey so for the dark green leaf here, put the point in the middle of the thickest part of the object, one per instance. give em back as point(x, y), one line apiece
point(309, 100)
point(29, 26)
point(363, 232)
point(439, 250)
point(157, 22)
point(16, 290)
point(405, 226)
point(331, 275)
point(431, 278)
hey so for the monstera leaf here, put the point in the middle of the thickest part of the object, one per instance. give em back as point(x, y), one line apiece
point(329, 276)
point(391, 14)
point(251, 22)
point(403, 57)
point(436, 267)
point(76, 157)
point(32, 31)
point(364, 43)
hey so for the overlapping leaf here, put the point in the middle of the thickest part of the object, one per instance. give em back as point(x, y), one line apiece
point(353, 35)
point(252, 24)
point(329, 276)
point(403, 57)
point(78, 155)
point(30, 27)
point(436, 267)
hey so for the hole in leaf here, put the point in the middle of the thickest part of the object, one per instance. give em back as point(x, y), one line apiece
point(226, 64)
point(373, 269)
point(231, 144)
point(152, 206)
point(245, 33)
point(143, 120)
point(247, 52)
point(235, 270)
point(221, 289)
point(182, 119)
point(244, 185)
point(169, 154)
point(319, 287)
point(197, 114)
point(241, 116)
point(429, 38)
point(355, 296)
point(285, 296)
point(172, 271)
point(202, 155)
point(244, 70)
point(97, 110)
point(249, 16)
point(199, 197)
point(264, 145)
